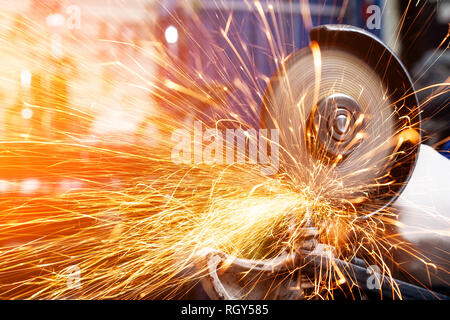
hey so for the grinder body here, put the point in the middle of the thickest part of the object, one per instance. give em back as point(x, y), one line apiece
point(343, 104)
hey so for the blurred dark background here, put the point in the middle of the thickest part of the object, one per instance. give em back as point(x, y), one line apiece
point(424, 50)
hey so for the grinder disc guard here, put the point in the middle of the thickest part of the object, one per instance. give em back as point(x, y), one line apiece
point(349, 129)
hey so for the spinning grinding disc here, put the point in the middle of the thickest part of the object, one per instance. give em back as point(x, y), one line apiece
point(347, 117)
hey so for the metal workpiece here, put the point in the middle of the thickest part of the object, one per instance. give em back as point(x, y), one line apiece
point(231, 278)
point(291, 275)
